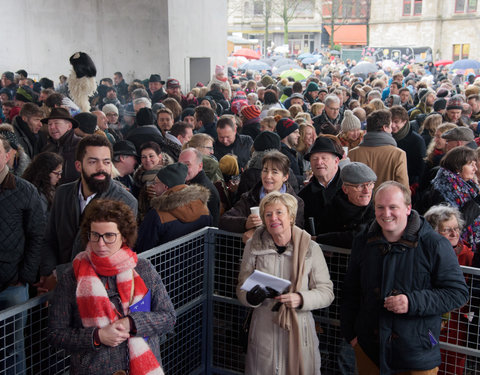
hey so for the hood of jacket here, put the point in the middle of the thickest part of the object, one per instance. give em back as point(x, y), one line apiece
point(185, 202)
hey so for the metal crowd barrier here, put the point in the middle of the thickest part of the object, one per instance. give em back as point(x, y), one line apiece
point(200, 273)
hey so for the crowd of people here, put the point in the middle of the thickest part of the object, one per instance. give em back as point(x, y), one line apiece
point(309, 153)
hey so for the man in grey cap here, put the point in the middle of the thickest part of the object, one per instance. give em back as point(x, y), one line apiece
point(351, 208)
point(460, 136)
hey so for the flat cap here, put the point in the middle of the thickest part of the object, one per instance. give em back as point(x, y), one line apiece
point(460, 133)
point(357, 173)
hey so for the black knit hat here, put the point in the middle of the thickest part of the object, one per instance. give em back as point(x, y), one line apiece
point(439, 104)
point(173, 174)
point(145, 117)
point(285, 127)
point(187, 112)
point(267, 141)
point(87, 122)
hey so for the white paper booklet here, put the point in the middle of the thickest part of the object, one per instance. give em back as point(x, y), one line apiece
point(264, 279)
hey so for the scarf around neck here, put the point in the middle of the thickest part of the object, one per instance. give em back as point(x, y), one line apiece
point(375, 139)
point(96, 309)
point(402, 133)
point(287, 317)
point(458, 192)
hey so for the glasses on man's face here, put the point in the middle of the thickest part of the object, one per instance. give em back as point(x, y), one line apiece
point(361, 187)
point(112, 115)
point(333, 109)
point(449, 230)
point(209, 148)
point(108, 237)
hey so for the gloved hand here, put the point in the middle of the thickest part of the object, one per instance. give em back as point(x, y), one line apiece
point(256, 295)
point(272, 293)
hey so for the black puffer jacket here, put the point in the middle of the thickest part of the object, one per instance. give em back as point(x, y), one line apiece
point(22, 221)
point(422, 266)
point(240, 147)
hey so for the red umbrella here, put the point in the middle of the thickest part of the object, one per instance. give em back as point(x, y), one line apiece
point(248, 53)
point(443, 62)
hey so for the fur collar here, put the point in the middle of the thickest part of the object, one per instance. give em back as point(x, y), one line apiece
point(179, 196)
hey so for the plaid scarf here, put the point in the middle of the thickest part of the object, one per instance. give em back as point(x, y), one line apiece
point(95, 307)
point(458, 192)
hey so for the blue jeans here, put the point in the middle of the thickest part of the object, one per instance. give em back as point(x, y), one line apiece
point(12, 355)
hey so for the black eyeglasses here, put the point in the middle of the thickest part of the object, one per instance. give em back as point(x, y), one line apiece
point(108, 237)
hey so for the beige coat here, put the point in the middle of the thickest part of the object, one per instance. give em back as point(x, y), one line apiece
point(388, 162)
point(268, 343)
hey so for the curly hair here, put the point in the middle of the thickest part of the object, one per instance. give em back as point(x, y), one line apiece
point(106, 210)
point(38, 173)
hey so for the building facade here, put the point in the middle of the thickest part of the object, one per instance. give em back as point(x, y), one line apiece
point(450, 27)
point(135, 37)
point(248, 18)
point(310, 27)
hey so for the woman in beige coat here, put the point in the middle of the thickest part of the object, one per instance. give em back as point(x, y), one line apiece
point(284, 341)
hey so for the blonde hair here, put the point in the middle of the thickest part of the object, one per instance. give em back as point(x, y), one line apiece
point(295, 110)
point(289, 201)
point(317, 108)
point(198, 140)
point(269, 122)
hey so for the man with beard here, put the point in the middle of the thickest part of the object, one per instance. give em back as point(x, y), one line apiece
point(62, 238)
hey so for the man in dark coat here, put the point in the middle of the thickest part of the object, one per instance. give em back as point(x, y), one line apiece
point(351, 208)
point(148, 131)
point(62, 239)
point(27, 127)
point(288, 131)
point(410, 142)
point(63, 141)
point(177, 209)
point(401, 278)
point(22, 225)
point(196, 175)
point(155, 88)
point(229, 142)
point(329, 121)
point(323, 185)
point(121, 86)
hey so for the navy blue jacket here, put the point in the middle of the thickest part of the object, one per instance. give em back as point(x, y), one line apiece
point(420, 265)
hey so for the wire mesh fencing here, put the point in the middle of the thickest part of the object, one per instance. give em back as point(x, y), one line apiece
point(200, 273)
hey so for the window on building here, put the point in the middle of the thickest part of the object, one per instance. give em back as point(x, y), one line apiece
point(258, 8)
point(412, 7)
point(417, 8)
point(460, 51)
point(462, 6)
point(246, 8)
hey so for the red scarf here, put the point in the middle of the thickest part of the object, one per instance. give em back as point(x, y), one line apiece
point(95, 307)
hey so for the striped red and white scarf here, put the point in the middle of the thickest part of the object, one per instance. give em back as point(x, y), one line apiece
point(96, 309)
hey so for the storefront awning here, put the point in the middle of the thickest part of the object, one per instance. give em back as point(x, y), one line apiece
point(349, 34)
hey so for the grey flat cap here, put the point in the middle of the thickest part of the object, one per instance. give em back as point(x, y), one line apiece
point(461, 133)
point(357, 173)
